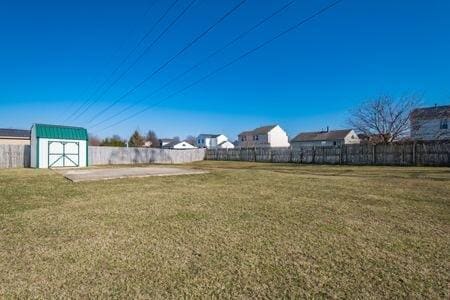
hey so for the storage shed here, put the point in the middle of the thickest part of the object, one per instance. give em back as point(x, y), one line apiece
point(55, 146)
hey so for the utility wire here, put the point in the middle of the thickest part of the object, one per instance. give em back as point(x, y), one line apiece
point(91, 95)
point(146, 50)
point(216, 52)
point(165, 64)
point(207, 76)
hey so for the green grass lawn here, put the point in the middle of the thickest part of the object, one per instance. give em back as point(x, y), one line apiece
point(244, 230)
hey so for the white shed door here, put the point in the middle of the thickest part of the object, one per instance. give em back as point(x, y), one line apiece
point(63, 154)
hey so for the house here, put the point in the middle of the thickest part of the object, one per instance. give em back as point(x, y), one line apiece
point(214, 141)
point(271, 136)
point(55, 146)
point(325, 138)
point(14, 136)
point(430, 123)
point(164, 142)
point(175, 144)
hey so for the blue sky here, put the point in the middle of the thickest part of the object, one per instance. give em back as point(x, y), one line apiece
point(54, 54)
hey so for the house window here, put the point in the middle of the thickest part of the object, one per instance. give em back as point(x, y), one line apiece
point(243, 138)
point(256, 137)
point(335, 143)
point(444, 124)
point(199, 141)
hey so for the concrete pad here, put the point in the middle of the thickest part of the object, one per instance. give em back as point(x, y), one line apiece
point(77, 175)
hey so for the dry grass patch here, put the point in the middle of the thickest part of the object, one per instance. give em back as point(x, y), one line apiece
point(244, 230)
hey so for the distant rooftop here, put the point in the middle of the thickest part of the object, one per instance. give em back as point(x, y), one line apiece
point(432, 112)
point(209, 135)
point(321, 135)
point(259, 130)
point(14, 133)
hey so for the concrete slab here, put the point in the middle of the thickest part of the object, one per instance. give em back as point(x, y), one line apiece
point(77, 175)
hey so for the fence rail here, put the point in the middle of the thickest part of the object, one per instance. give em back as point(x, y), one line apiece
point(404, 154)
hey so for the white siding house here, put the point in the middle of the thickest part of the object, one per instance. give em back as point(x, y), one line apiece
point(214, 141)
point(325, 138)
point(180, 145)
point(272, 136)
point(430, 123)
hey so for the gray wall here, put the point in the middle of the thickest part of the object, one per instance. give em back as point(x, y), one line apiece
point(119, 155)
point(425, 153)
point(18, 156)
point(14, 156)
point(429, 130)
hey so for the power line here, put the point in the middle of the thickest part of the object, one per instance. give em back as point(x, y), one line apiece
point(112, 56)
point(168, 27)
point(123, 73)
point(181, 51)
point(216, 52)
point(207, 76)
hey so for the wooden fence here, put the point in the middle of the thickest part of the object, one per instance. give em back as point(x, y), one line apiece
point(403, 154)
point(14, 156)
point(18, 156)
point(119, 155)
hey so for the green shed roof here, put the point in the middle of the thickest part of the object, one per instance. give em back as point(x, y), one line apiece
point(60, 132)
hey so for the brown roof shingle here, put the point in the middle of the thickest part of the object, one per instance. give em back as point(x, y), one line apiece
point(321, 135)
point(427, 113)
point(259, 130)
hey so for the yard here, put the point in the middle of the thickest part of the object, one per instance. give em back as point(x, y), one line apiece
point(245, 230)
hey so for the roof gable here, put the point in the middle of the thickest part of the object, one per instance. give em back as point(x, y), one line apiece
point(60, 132)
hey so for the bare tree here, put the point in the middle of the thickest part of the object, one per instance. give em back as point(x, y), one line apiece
point(191, 140)
point(384, 118)
point(152, 138)
point(94, 140)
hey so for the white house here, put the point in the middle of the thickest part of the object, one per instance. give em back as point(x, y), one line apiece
point(54, 146)
point(430, 123)
point(214, 141)
point(325, 138)
point(272, 136)
point(181, 145)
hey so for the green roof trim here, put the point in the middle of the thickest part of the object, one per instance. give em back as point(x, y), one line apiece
point(60, 132)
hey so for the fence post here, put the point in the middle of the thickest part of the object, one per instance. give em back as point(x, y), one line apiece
point(374, 154)
point(414, 154)
point(313, 154)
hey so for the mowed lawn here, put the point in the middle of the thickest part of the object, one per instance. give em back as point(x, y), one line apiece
point(244, 230)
